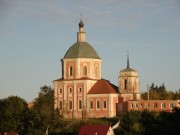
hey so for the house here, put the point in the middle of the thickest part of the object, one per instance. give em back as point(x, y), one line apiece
point(96, 130)
point(30, 104)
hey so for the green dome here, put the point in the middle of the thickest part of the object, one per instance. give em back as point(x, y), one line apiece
point(81, 50)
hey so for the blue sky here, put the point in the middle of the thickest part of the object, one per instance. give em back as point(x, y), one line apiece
point(35, 35)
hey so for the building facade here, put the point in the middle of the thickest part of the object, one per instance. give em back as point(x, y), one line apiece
point(82, 93)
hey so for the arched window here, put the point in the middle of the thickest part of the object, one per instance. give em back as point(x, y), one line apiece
point(60, 105)
point(85, 71)
point(70, 71)
point(70, 105)
point(125, 84)
point(60, 90)
point(79, 89)
point(70, 90)
point(80, 104)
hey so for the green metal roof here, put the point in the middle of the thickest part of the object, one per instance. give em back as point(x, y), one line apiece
point(81, 50)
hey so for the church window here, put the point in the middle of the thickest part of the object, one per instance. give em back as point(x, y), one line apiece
point(104, 104)
point(98, 105)
point(70, 71)
point(125, 84)
point(91, 104)
point(80, 104)
point(70, 90)
point(70, 105)
point(60, 90)
point(85, 71)
point(60, 105)
point(80, 90)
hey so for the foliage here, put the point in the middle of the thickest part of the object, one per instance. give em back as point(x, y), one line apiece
point(43, 114)
point(12, 114)
point(160, 93)
point(15, 116)
point(148, 123)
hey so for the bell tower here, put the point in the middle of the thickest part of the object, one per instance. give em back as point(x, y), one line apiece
point(128, 81)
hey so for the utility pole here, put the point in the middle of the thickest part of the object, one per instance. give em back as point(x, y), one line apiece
point(147, 93)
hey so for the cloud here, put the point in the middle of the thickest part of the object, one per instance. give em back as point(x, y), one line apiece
point(106, 13)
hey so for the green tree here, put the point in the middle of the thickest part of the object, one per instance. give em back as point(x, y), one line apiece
point(12, 114)
point(43, 113)
point(131, 123)
point(156, 93)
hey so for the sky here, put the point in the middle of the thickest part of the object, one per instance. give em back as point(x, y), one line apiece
point(35, 35)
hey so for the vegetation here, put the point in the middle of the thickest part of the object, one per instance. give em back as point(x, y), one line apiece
point(160, 93)
point(16, 116)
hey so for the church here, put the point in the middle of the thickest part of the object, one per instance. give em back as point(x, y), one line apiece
point(82, 93)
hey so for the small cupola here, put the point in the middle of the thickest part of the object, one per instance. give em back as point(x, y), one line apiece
point(81, 35)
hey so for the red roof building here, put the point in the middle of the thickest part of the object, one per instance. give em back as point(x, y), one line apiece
point(96, 130)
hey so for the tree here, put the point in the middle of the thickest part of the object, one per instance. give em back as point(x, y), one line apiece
point(43, 113)
point(42, 110)
point(156, 93)
point(130, 123)
point(12, 113)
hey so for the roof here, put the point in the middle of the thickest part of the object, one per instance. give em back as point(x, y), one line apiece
point(94, 130)
point(83, 78)
point(128, 70)
point(81, 50)
point(31, 104)
point(103, 87)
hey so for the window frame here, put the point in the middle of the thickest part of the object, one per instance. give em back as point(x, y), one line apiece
point(60, 90)
point(171, 105)
point(70, 71)
point(60, 105)
point(84, 70)
point(125, 84)
point(98, 105)
point(104, 104)
point(80, 104)
point(155, 105)
point(70, 90)
point(132, 105)
point(163, 105)
point(79, 89)
point(91, 105)
point(70, 105)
